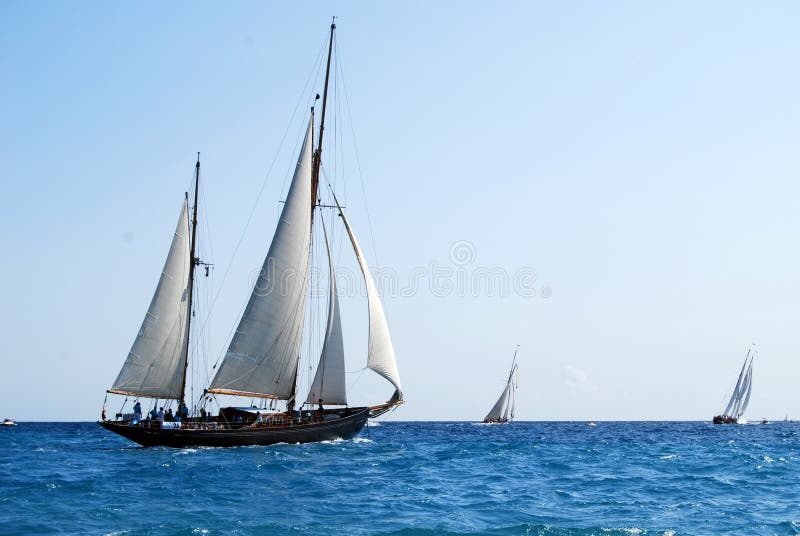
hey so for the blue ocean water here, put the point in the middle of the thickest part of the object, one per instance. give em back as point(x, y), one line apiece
point(411, 478)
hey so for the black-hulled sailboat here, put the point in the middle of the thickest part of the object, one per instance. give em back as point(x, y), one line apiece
point(503, 409)
point(740, 398)
point(263, 356)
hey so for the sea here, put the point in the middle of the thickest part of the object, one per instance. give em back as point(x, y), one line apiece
point(411, 478)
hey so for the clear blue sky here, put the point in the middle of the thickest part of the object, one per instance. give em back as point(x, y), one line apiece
point(641, 157)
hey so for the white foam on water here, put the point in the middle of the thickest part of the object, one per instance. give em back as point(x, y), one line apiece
point(333, 441)
point(669, 457)
point(373, 424)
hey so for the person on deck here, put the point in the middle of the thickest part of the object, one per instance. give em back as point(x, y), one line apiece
point(137, 411)
point(203, 414)
point(259, 419)
point(160, 415)
point(183, 411)
point(169, 416)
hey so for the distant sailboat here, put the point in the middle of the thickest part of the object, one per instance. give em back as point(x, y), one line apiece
point(503, 409)
point(740, 398)
point(262, 359)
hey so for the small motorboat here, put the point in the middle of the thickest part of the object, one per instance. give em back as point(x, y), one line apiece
point(9, 422)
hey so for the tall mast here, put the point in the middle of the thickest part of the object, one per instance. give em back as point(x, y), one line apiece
point(192, 263)
point(317, 160)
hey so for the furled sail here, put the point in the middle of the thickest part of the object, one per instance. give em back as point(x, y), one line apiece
point(329, 386)
point(381, 352)
point(154, 366)
point(497, 410)
point(262, 357)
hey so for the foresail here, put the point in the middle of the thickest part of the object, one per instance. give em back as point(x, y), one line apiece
point(262, 357)
point(497, 410)
point(329, 386)
point(381, 352)
point(154, 366)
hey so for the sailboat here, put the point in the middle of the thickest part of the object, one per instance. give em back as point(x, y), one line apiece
point(503, 409)
point(740, 398)
point(262, 359)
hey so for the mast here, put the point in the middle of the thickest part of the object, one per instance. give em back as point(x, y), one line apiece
point(317, 159)
point(192, 262)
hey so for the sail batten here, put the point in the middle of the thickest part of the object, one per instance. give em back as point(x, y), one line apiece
point(262, 356)
point(154, 365)
point(329, 385)
point(380, 354)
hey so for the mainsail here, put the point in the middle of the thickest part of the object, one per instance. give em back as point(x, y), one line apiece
point(747, 387)
point(380, 357)
point(262, 357)
point(154, 366)
point(328, 386)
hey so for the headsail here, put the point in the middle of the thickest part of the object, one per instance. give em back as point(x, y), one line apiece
point(329, 386)
point(154, 366)
point(497, 410)
point(381, 352)
point(262, 357)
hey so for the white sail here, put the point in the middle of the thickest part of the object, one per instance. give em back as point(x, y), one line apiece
point(381, 352)
point(747, 387)
point(155, 363)
point(514, 391)
point(497, 410)
point(329, 386)
point(262, 357)
point(737, 391)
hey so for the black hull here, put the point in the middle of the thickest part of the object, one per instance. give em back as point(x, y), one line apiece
point(724, 419)
point(342, 428)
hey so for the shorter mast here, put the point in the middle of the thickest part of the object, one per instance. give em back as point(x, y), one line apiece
point(192, 263)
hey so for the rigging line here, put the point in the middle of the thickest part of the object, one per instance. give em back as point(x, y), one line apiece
point(340, 159)
point(334, 213)
point(358, 159)
point(255, 206)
